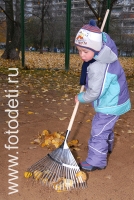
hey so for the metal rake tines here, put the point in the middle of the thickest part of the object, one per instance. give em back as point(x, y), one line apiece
point(60, 176)
point(39, 165)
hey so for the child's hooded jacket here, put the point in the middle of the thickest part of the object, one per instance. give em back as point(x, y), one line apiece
point(106, 85)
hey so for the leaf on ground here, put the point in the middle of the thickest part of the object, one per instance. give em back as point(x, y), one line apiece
point(108, 176)
point(37, 141)
point(76, 148)
point(130, 131)
point(117, 134)
point(82, 111)
point(62, 118)
point(47, 139)
point(88, 120)
point(32, 147)
point(44, 90)
point(73, 143)
point(29, 113)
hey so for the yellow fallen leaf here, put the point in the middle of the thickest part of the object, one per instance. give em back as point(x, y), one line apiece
point(68, 183)
point(82, 177)
point(88, 120)
point(61, 191)
point(76, 148)
point(44, 180)
point(29, 112)
point(37, 174)
point(56, 135)
point(27, 174)
point(57, 142)
point(63, 184)
point(73, 143)
point(62, 137)
point(45, 132)
point(46, 142)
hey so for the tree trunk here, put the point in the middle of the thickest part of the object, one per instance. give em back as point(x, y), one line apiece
point(42, 29)
point(45, 6)
point(102, 7)
point(13, 39)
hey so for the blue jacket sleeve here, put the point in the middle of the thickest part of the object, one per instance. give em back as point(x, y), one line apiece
point(80, 97)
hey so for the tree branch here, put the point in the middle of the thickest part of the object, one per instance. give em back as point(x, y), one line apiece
point(7, 14)
point(90, 6)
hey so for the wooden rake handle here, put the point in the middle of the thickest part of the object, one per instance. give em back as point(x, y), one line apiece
point(104, 20)
point(82, 87)
point(74, 111)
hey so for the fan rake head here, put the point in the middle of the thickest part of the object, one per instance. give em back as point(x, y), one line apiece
point(59, 170)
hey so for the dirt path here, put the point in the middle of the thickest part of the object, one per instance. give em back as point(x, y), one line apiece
point(116, 182)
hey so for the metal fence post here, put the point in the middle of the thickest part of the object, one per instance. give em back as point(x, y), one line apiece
point(108, 19)
point(67, 43)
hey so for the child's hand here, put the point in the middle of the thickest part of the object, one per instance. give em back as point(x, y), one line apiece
point(76, 99)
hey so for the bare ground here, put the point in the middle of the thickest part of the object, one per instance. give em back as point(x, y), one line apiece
point(116, 182)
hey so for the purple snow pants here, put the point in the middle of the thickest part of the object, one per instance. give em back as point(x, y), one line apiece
point(101, 140)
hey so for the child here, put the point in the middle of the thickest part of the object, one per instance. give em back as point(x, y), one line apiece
point(105, 87)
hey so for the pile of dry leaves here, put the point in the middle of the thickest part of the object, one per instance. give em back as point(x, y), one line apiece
point(54, 140)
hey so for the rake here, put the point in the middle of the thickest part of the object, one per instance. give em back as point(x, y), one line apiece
point(59, 168)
